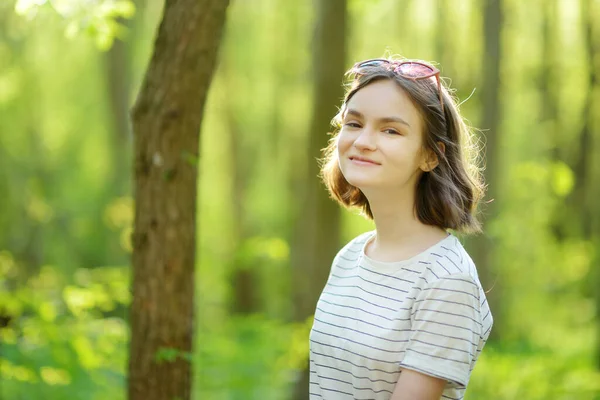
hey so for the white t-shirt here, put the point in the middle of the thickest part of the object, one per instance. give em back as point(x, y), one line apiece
point(427, 314)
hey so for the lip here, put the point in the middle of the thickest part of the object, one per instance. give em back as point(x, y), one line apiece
point(362, 160)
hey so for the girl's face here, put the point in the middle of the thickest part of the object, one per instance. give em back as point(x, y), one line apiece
point(380, 145)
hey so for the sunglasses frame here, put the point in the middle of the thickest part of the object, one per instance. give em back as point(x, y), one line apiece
point(398, 64)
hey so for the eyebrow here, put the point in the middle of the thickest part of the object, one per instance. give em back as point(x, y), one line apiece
point(381, 120)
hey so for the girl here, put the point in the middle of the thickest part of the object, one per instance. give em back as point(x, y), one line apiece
point(403, 315)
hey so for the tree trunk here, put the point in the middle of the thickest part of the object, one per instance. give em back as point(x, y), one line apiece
point(317, 234)
point(244, 280)
point(588, 183)
point(445, 31)
point(549, 108)
point(166, 126)
point(583, 163)
point(482, 249)
point(119, 84)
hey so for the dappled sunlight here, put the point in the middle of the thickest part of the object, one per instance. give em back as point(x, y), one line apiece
point(70, 72)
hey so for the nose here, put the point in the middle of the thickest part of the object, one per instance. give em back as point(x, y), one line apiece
point(366, 140)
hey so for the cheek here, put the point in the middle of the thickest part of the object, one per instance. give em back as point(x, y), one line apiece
point(344, 142)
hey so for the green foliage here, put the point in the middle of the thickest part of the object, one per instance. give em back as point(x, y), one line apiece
point(63, 220)
point(522, 372)
point(250, 357)
point(167, 354)
point(68, 336)
point(97, 18)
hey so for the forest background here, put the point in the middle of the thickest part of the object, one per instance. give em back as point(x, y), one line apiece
point(70, 72)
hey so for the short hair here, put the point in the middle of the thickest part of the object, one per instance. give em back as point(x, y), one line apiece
point(446, 196)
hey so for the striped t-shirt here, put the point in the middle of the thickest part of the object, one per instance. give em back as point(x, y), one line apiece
point(428, 314)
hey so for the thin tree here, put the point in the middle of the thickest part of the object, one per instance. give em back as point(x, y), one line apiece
point(118, 76)
point(166, 126)
point(587, 185)
point(318, 221)
point(482, 249)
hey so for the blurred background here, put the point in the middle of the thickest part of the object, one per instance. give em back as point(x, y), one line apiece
point(528, 73)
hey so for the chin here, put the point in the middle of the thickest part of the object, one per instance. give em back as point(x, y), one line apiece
point(361, 182)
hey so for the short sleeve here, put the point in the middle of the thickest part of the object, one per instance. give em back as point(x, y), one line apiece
point(446, 329)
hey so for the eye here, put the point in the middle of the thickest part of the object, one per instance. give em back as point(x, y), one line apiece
point(392, 131)
point(352, 124)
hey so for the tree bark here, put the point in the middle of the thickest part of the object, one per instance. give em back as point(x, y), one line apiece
point(482, 249)
point(317, 234)
point(166, 126)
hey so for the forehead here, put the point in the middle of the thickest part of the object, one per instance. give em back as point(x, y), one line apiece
point(382, 99)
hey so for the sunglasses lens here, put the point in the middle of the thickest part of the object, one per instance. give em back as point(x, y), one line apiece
point(370, 64)
point(415, 70)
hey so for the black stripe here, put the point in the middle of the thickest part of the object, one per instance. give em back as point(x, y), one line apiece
point(448, 313)
point(354, 376)
point(366, 291)
point(449, 249)
point(446, 301)
point(441, 265)
point(452, 398)
point(408, 366)
point(486, 314)
point(365, 311)
point(386, 275)
point(344, 360)
point(368, 281)
point(334, 390)
point(338, 266)
point(457, 267)
point(452, 290)
point(452, 278)
point(348, 259)
point(434, 274)
point(444, 347)
point(441, 358)
point(356, 354)
point(362, 344)
point(351, 250)
point(446, 336)
point(486, 332)
point(430, 321)
point(359, 298)
point(364, 322)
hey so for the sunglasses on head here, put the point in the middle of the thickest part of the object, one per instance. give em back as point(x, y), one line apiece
point(413, 70)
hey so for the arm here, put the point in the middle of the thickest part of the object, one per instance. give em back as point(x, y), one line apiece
point(414, 385)
point(446, 326)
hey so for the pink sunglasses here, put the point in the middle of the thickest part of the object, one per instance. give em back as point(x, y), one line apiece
point(413, 70)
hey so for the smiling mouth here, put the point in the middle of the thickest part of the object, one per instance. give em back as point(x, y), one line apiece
point(362, 161)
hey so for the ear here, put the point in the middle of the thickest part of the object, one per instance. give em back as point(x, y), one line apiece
point(430, 159)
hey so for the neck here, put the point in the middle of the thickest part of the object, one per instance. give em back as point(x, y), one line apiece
point(396, 222)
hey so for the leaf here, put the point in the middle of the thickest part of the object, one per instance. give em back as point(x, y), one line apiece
point(167, 354)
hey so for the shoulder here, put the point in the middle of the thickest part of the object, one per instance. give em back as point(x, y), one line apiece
point(355, 246)
point(450, 259)
point(350, 253)
point(450, 269)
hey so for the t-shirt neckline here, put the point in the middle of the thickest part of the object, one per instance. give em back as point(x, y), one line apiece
point(402, 263)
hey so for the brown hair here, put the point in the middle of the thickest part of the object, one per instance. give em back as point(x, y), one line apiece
point(446, 196)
